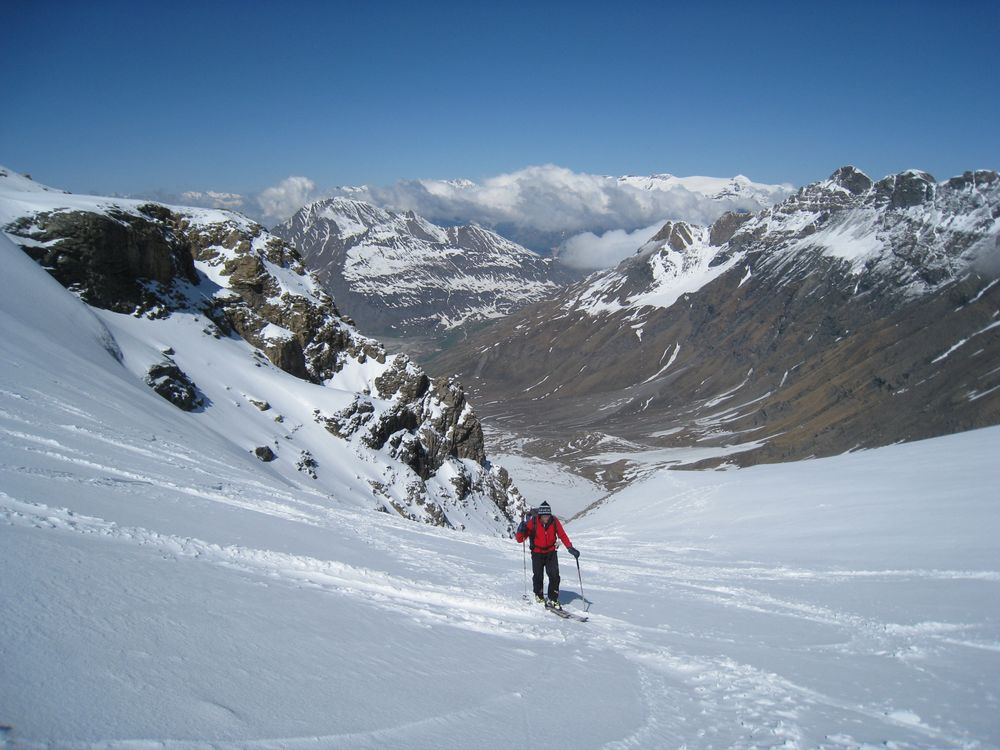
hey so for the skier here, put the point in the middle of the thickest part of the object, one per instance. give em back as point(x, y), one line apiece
point(541, 528)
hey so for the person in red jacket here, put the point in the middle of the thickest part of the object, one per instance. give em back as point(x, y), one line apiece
point(541, 529)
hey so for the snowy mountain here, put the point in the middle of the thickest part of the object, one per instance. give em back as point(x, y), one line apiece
point(401, 275)
point(853, 314)
point(752, 196)
point(203, 321)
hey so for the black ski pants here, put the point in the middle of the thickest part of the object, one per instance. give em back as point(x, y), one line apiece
point(545, 563)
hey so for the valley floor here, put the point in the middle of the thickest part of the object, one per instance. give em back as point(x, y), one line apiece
point(851, 602)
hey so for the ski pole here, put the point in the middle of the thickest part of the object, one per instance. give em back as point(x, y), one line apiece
point(525, 551)
point(580, 576)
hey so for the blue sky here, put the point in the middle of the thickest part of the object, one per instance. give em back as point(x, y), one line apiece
point(140, 96)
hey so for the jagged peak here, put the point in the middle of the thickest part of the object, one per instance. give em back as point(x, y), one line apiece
point(678, 234)
point(906, 189)
point(974, 178)
point(852, 179)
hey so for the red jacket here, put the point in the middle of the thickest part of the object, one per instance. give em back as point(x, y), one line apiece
point(543, 538)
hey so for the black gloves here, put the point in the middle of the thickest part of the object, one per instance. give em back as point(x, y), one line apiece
point(574, 551)
point(522, 528)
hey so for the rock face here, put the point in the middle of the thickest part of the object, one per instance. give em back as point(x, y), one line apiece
point(111, 258)
point(401, 275)
point(853, 314)
point(153, 262)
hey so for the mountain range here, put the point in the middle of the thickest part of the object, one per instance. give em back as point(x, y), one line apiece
point(853, 314)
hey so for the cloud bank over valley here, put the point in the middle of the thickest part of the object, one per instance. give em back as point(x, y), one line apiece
point(589, 221)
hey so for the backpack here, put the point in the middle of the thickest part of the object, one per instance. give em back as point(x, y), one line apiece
point(531, 533)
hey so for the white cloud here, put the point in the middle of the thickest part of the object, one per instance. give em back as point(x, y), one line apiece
point(542, 206)
point(213, 199)
point(592, 220)
point(590, 252)
point(284, 199)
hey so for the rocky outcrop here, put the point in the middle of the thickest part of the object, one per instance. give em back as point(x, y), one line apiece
point(168, 380)
point(301, 331)
point(264, 453)
point(423, 430)
point(118, 260)
point(725, 227)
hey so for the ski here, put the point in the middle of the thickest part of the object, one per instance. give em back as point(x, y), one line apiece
point(563, 613)
point(566, 614)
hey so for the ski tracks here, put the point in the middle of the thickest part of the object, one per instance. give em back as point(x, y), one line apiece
point(428, 603)
point(704, 698)
point(698, 689)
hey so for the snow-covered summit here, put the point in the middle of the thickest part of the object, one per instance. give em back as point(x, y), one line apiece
point(401, 274)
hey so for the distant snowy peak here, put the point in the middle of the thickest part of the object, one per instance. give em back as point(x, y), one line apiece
point(439, 187)
point(677, 260)
point(397, 273)
point(755, 195)
point(350, 220)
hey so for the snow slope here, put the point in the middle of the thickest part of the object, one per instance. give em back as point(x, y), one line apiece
point(162, 588)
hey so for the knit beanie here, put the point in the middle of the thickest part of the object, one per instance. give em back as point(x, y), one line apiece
point(544, 509)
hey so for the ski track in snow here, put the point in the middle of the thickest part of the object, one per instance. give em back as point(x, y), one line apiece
point(740, 706)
